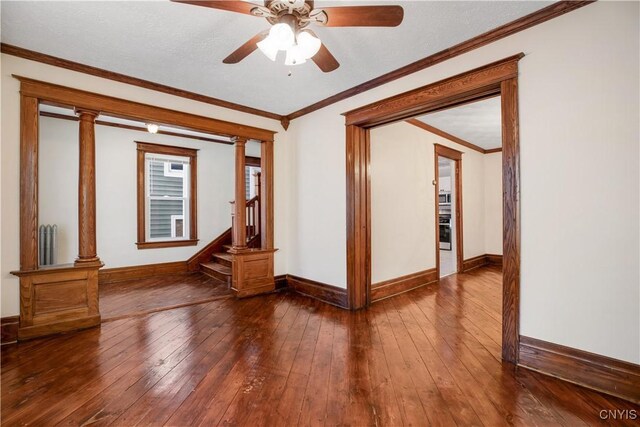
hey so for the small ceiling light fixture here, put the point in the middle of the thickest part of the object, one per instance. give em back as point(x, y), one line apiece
point(152, 127)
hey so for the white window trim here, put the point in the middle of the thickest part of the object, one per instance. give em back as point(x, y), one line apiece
point(169, 172)
point(186, 197)
point(174, 218)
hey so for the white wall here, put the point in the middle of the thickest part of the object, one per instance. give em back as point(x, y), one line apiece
point(493, 203)
point(116, 192)
point(9, 156)
point(403, 200)
point(578, 89)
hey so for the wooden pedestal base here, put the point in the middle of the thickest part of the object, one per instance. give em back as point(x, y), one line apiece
point(58, 299)
point(253, 272)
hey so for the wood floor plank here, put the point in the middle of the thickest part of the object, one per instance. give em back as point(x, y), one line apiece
point(458, 404)
point(412, 409)
point(155, 408)
point(313, 412)
point(430, 356)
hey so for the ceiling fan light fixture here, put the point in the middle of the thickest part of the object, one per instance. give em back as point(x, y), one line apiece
point(308, 44)
point(295, 56)
point(269, 48)
point(282, 36)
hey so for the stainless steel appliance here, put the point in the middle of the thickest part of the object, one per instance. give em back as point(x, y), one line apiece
point(444, 223)
point(444, 199)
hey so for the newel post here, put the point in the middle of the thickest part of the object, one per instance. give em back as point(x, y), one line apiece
point(87, 248)
point(239, 207)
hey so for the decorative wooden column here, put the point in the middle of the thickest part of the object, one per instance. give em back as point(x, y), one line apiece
point(29, 129)
point(239, 242)
point(253, 268)
point(87, 248)
point(266, 195)
point(56, 298)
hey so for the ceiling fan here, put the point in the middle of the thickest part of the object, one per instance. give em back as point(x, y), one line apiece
point(289, 32)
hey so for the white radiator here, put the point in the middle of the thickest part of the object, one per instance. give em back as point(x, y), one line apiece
point(47, 244)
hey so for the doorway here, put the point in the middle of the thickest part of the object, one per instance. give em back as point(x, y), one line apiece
point(498, 78)
point(448, 187)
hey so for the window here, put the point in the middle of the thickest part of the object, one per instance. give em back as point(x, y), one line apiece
point(250, 170)
point(166, 196)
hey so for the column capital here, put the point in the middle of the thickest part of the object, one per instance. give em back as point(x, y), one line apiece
point(239, 140)
point(86, 114)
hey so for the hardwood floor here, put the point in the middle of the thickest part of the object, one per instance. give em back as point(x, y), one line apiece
point(143, 296)
point(426, 357)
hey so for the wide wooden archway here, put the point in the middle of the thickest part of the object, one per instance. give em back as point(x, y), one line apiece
point(498, 78)
point(65, 297)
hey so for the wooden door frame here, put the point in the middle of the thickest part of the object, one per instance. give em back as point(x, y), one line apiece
point(497, 78)
point(456, 157)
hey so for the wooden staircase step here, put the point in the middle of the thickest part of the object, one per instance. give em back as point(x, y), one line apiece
point(217, 271)
point(226, 247)
point(223, 258)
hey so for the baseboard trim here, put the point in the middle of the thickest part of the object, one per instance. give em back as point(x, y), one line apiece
point(493, 259)
point(280, 281)
point(481, 261)
point(37, 331)
point(9, 329)
point(402, 284)
point(120, 274)
point(601, 373)
point(320, 291)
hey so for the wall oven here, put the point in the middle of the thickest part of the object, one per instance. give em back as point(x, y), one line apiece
point(444, 223)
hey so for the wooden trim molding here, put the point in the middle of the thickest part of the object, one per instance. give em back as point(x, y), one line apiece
point(120, 274)
point(320, 291)
point(478, 83)
point(399, 285)
point(144, 148)
point(136, 128)
point(64, 96)
point(422, 125)
point(167, 244)
point(481, 261)
point(281, 282)
point(538, 17)
point(440, 150)
point(497, 78)
point(252, 161)
point(601, 373)
point(493, 150)
point(134, 81)
point(9, 329)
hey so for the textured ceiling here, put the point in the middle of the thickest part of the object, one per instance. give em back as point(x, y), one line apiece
point(478, 123)
point(183, 46)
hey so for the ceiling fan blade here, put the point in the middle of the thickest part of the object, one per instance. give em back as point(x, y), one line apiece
point(363, 16)
point(231, 6)
point(246, 49)
point(325, 60)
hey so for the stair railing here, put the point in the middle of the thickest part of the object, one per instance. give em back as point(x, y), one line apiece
point(253, 214)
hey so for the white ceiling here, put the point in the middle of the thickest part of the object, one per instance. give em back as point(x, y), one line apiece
point(183, 46)
point(478, 123)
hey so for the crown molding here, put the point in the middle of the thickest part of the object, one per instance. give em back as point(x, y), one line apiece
point(446, 135)
point(134, 81)
point(528, 21)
